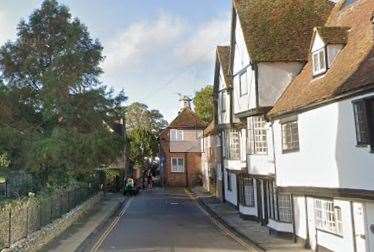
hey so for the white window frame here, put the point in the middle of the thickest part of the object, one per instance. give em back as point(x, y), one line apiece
point(232, 141)
point(257, 135)
point(176, 135)
point(243, 84)
point(328, 217)
point(319, 61)
point(180, 165)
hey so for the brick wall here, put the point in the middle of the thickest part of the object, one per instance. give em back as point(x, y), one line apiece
point(192, 170)
point(192, 165)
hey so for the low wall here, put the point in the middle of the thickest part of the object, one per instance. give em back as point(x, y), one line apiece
point(38, 239)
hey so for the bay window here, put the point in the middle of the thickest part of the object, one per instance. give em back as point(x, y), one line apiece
point(257, 135)
point(232, 142)
point(247, 192)
point(284, 208)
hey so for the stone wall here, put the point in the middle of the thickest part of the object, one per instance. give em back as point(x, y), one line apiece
point(20, 218)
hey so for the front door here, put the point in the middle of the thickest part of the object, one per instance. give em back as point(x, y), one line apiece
point(359, 227)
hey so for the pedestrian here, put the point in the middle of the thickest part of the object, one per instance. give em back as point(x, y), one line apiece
point(143, 179)
point(150, 179)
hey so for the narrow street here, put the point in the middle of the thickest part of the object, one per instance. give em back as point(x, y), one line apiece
point(161, 220)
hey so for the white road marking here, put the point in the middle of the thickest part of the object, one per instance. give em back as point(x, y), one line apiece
point(221, 227)
point(111, 226)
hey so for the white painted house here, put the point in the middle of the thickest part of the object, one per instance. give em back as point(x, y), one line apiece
point(232, 140)
point(267, 52)
point(324, 134)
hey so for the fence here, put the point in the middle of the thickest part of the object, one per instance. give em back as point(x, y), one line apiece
point(20, 218)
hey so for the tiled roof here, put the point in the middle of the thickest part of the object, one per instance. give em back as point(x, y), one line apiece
point(223, 54)
point(351, 71)
point(187, 119)
point(333, 34)
point(280, 30)
point(211, 129)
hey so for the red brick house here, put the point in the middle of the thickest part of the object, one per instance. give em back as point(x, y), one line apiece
point(180, 149)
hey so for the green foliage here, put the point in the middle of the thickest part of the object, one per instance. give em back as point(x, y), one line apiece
point(143, 127)
point(138, 116)
point(4, 161)
point(142, 143)
point(203, 102)
point(54, 113)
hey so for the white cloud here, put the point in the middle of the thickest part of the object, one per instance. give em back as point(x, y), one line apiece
point(7, 30)
point(141, 40)
point(200, 47)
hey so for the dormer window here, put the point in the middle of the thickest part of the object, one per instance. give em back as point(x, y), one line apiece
point(319, 62)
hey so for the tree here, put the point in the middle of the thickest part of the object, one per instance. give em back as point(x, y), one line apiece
point(203, 102)
point(58, 112)
point(138, 116)
point(143, 127)
point(142, 144)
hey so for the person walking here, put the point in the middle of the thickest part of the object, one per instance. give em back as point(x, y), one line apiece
point(150, 179)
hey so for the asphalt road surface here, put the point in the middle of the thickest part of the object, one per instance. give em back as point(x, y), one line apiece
point(160, 220)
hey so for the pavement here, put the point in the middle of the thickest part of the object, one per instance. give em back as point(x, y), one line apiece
point(74, 237)
point(165, 220)
point(251, 231)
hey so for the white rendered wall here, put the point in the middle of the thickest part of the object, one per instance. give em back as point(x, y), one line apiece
point(280, 226)
point(242, 61)
point(300, 217)
point(248, 210)
point(328, 156)
point(273, 78)
point(224, 116)
point(231, 196)
point(369, 209)
point(317, 43)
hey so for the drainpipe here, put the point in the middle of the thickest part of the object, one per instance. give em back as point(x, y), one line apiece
point(307, 239)
point(293, 220)
point(353, 228)
point(222, 168)
point(186, 167)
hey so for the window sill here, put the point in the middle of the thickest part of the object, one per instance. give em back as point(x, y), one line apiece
point(290, 151)
point(258, 154)
point(177, 172)
point(328, 232)
point(279, 221)
point(315, 75)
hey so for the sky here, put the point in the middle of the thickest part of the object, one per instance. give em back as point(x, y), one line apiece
point(154, 49)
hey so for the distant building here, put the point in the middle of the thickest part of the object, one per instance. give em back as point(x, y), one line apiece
point(180, 148)
point(211, 160)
